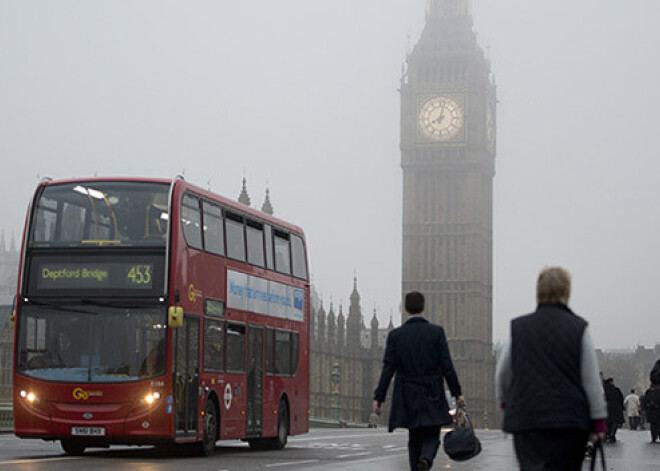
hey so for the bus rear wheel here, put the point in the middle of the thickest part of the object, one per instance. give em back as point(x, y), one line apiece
point(210, 431)
point(280, 440)
point(71, 446)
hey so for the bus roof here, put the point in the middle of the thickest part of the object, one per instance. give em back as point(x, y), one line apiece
point(234, 205)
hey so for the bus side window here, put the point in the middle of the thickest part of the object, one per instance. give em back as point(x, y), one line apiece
point(268, 234)
point(214, 236)
point(299, 259)
point(236, 348)
point(214, 345)
point(282, 253)
point(235, 237)
point(270, 351)
point(294, 353)
point(255, 243)
point(283, 352)
point(191, 221)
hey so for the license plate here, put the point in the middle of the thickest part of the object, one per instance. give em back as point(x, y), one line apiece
point(88, 431)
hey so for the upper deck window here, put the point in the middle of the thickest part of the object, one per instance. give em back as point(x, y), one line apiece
point(299, 259)
point(235, 236)
point(100, 214)
point(191, 221)
point(214, 237)
point(282, 252)
point(255, 243)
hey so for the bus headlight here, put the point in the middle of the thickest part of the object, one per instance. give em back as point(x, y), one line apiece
point(151, 398)
point(30, 397)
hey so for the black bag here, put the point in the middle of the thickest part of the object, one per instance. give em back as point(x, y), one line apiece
point(461, 443)
point(596, 447)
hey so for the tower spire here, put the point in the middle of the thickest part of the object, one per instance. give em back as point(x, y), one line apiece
point(244, 197)
point(267, 207)
point(447, 8)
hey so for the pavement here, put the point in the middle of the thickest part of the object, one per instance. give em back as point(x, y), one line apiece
point(632, 452)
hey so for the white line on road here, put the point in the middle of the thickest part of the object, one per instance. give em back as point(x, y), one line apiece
point(335, 437)
point(354, 455)
point(291, 463)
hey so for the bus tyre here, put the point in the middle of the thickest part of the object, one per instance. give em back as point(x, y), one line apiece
point(72, 446)
point(210, 431)
point(279, 442)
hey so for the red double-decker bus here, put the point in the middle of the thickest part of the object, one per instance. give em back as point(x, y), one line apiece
point(152, 311)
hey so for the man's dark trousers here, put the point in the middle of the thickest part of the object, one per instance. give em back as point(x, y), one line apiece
point(551, 449)
point(423, 442)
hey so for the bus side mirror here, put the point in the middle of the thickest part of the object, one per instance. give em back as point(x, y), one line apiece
point(12, 318)
point(175, 317)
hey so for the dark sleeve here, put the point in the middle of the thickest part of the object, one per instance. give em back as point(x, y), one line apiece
point(447, 366)
point(389, 367)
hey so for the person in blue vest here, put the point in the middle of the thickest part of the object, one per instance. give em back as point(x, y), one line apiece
point(419, 354)
point(547, 381)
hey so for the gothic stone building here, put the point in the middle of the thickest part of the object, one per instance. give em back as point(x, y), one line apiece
point(345, 362)
point(8, 271)
point(448, 100)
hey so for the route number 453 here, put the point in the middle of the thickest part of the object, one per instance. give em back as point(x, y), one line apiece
point(139, 275)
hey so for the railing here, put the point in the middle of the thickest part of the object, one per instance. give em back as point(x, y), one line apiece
point(6, 417)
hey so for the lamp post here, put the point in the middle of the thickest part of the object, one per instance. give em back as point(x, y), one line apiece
point(335, 378)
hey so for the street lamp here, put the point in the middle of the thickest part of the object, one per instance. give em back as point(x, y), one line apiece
point(335, 378)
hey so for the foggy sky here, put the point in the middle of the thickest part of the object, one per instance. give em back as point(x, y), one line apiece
point(300, 95)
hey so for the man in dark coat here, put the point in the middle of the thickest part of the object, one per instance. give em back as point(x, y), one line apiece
point(614, 399)
point(652, 402)
point(419, 355)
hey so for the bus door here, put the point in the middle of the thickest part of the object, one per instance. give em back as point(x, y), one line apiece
point(255, 381)
point(186, 377)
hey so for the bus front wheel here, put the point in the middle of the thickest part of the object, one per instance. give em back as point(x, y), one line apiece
point(210, 432)
point(72, 446)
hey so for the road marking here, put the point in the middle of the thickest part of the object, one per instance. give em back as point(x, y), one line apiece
point(399, 448)
point(336, 437)
point(41, 460)
point(291, 463)
point(354, 455)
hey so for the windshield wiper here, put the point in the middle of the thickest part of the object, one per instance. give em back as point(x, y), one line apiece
point(96, 302)
point(59, 307)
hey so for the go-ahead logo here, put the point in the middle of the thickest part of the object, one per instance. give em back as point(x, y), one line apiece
point(79, 394)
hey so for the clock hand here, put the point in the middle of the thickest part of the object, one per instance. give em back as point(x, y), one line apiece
point(442, 114)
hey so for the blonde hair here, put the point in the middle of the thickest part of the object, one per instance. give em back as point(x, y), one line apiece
point(553, 286)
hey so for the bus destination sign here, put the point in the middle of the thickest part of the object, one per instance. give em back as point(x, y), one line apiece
point(90, 275)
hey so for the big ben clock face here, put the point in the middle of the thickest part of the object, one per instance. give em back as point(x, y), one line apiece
point(440, 118)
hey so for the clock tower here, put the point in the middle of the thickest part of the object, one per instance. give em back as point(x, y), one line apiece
point(448, 160)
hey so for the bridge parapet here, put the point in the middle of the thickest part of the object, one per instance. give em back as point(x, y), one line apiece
point(6, 417)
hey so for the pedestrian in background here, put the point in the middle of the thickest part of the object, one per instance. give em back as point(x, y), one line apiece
point(642, 412)
point(652, 402)
point(614, 399)
point(418, 353)
point(547, 381)
point(632, 405)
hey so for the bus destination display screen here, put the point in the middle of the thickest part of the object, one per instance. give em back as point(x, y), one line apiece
point(94, 275)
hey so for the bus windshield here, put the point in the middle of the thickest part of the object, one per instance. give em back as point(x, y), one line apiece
point(101, 214)
point(91, 344)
